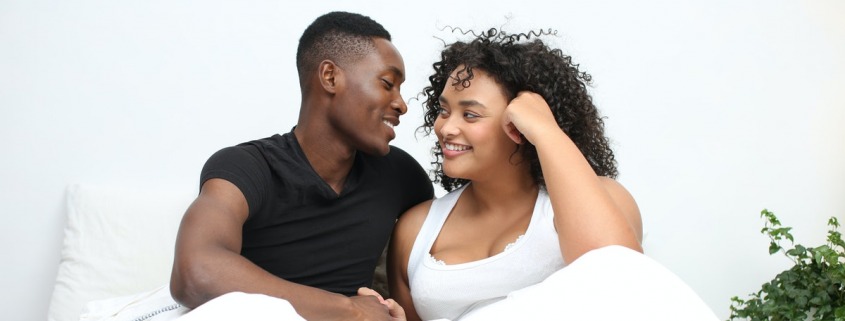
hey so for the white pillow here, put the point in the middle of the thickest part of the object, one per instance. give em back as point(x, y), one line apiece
point(118, 241)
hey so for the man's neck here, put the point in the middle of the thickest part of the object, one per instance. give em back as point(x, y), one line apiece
point(328, 155)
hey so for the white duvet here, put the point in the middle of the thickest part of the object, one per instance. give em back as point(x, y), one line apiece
point(611, 283)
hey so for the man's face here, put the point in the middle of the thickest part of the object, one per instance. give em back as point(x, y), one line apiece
point(369, 104)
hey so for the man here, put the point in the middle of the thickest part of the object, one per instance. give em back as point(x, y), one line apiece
point(304, 216)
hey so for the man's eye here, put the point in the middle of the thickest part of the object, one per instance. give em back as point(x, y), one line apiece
point(388, 84)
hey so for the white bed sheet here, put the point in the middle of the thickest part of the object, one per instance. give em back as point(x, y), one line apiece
point(608, 284)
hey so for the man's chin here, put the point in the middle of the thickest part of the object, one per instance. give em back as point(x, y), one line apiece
point(377, 151)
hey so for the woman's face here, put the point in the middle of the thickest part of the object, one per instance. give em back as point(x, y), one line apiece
point(469, 129)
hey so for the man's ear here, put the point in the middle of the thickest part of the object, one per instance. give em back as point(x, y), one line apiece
point(329, 76)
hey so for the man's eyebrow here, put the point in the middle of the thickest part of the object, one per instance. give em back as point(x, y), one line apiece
point(463, 103)
point(398, 72)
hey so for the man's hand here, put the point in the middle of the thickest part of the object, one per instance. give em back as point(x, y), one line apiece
point(395, 310)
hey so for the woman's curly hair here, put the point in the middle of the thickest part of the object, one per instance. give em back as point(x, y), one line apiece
point(520, 65)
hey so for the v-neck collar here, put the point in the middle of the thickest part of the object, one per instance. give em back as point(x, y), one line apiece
point(353, 178)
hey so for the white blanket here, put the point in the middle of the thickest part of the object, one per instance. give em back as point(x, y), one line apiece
point(611, 283)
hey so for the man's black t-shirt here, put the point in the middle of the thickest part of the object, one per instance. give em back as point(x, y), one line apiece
point(299, 228)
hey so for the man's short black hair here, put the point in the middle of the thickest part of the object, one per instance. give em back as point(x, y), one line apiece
point(337, 36)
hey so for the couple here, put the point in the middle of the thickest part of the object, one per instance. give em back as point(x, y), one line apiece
point(304, 216)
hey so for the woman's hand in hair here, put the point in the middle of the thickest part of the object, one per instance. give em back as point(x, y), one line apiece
point(528, 116)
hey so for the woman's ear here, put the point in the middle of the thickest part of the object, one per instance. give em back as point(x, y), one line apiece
point(514, 133)
point(329, 73)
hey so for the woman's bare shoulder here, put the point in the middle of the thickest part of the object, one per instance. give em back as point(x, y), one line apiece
point(405, 233)
point(625, 202)
point(412, 220)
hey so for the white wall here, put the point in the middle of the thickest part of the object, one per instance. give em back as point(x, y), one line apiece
point(717, 111)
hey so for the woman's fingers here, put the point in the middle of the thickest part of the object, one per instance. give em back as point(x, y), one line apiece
point(396, 311)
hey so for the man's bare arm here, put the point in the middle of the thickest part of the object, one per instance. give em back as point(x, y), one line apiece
point(208, 263)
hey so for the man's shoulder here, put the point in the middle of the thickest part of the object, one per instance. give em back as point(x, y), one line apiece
point(252, 154)
point(264, 148)
point(396, 160)
point(405, 169)
point(398, 153)
point(276, 140)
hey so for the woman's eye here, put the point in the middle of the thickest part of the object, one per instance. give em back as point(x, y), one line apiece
point(470, 116)
point(442, 111)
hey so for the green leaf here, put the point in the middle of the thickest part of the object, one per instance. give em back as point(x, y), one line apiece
point(784, 230)
point(773, 248)
point(840, 312)
point(818, 257)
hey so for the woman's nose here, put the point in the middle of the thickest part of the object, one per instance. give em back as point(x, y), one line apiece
point(448, 127)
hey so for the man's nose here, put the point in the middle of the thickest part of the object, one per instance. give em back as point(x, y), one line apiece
point(399, 105)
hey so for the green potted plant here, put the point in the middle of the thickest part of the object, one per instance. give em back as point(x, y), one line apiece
point(812, 289)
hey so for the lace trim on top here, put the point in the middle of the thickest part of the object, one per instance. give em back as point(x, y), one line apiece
point(507, 247)
point(511, 244)
point(435, 261)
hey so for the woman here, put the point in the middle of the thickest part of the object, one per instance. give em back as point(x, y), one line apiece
point(521, 148)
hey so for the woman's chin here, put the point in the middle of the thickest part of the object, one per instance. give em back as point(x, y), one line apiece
point(455, 174)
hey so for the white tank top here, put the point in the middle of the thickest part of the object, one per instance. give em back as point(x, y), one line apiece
point(450, 291)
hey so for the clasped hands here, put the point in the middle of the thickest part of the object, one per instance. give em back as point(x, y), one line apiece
point(394, 309)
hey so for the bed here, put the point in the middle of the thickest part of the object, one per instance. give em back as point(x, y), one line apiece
point(117, 254)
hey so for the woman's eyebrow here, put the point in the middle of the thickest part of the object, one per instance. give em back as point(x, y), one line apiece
point(463, 103)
